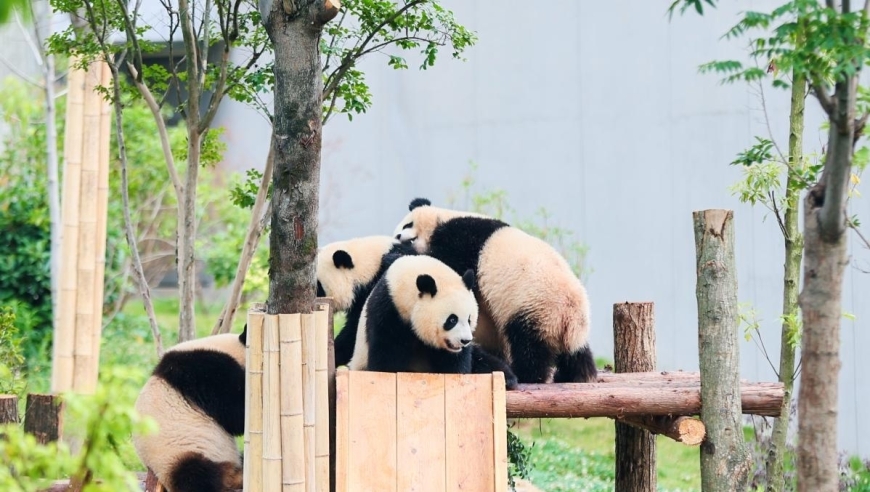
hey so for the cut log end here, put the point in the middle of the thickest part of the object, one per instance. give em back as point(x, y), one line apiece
point(690, 431)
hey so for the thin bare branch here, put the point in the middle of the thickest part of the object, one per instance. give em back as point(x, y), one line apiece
point(18, 73)
point(767, 122)
point(161, 130)
point(131, 35)
point(139, 274)
point(259, 219)
point(37, 51)
point(218, 94)
point(860, 235)
point(824, 99)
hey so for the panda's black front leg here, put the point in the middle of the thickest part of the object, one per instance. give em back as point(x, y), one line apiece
point(388, 353)
point(482, 362)
point(444, 362)
point(345, 342)
point(531, 359)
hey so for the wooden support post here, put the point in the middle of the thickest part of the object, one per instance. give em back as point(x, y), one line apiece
point(43, 417)
point(253, 465)
point(8, 409)
point(724, 458)
point(634, 351)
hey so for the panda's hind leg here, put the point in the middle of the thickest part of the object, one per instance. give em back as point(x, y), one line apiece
point(531, 357)
point(578, 367)
point(196, 473)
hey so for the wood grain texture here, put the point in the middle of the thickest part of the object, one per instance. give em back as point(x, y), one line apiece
point(420, 432)
point(8, 409)
point(43, 417)
point(470, 442)
point(342, 429)
point(253, 463)
point(372, 432)
point(499, 429)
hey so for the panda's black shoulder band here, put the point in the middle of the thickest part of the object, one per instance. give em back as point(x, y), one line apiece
point(419, 202)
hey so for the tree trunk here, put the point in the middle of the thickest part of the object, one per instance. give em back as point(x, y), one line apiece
point(820, 301)
point(724, 458)
point(634, 351)
point(793, 253)
point(187, 244)
point(294, 29)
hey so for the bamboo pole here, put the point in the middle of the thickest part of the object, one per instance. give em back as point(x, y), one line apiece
point(309, 353)
point(272, 476)
point(292, 435)
point(253, 465)
point(102, 221)
point(321, 428)
point(64, 338)
point(330, 371)
point(83, 380)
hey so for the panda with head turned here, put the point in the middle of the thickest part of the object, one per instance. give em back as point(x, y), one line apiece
point(534, 310)
point(197, 396)
point(347, 271)
point(420, 317)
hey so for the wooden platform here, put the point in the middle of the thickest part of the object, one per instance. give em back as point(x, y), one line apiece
point(420, 432)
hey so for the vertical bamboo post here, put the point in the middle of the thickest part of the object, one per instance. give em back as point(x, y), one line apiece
point(253, 464)
point(499, 421)
point(330, 369)
point(309, 352)
point(64, 338)
point(321, 428)
point(342, 429)
point(292, 435)
point(272, 473)
point(634, 343)
point(102, 220)
point(724, 457)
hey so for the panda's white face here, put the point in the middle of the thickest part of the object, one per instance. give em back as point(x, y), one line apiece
point(419, 224)
point(435, 300)
point(344, 265)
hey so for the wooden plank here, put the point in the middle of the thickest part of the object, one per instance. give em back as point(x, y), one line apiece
point(499, 429)
point(321, 423)
point(469, 429)
point(420, 434)
point(293, 440)
point(271, 406)
point(371, 463)
point(342, 428)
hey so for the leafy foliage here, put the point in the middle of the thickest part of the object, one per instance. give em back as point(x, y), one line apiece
point(519, 458)
point(11, 357)
point(388, 27)
point(104, 418)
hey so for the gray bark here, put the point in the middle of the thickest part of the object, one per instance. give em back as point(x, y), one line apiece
point(634, 351)
point(724, 457)
point(294, 29)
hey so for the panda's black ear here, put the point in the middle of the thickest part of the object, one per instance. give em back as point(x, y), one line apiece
point(418, 202)
point(468, 279)
point(426, 285)
point(342, 260)
point(243, 337)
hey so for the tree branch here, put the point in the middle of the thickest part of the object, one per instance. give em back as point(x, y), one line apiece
point(824, 99)
point(838, 162)
point(131, 35)
point(161, 130)
point(218, 94)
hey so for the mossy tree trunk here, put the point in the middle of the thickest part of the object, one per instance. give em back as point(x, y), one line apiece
point(294, 28)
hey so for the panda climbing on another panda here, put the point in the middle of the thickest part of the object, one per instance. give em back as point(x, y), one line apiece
point(534, 311)
point(420, 317)
point(347, 271)
point(197, 396)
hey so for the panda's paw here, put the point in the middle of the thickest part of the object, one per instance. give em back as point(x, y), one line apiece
point(510, 381)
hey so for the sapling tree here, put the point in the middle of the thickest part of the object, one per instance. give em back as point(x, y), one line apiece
point(824, 47)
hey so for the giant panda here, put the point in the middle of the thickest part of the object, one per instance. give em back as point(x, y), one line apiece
point(420, 317)
point(534, 310)
point(347, 271)
point(196, 393)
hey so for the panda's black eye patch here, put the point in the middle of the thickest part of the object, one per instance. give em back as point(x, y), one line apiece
point(451, 322)
point(408, 226)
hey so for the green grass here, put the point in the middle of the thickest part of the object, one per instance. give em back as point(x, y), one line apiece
point(578, 455)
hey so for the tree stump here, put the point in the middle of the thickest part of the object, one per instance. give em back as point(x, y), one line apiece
point(43, 417)
point(8, 409)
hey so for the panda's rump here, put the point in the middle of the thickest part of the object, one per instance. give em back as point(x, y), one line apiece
point(520, 275)
point(182, 430)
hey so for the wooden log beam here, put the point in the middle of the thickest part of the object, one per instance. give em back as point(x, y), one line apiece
point(687, 430)
point(573, 400)
point(634, 350)
point(8, 409)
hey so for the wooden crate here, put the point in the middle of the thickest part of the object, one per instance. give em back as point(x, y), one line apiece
point(420, 432)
